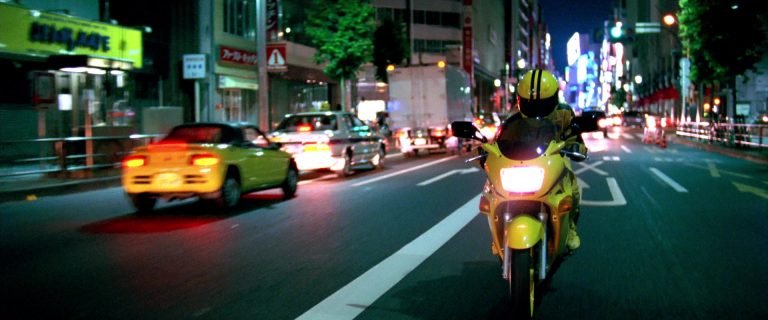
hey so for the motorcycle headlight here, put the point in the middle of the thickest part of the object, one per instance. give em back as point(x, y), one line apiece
point(522, 179)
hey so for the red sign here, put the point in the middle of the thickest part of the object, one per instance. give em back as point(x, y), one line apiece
point(466, 59)
point(228, 54)
point(276, 57)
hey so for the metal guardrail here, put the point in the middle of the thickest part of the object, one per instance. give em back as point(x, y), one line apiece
point(729, 134)
point(66, 155)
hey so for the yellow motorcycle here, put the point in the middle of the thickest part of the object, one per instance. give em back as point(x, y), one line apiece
point(531, 197)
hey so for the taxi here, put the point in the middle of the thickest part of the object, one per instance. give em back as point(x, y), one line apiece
point(216, 162)
point(330, 140)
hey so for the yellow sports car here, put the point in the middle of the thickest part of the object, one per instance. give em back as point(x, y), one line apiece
point(216, 162)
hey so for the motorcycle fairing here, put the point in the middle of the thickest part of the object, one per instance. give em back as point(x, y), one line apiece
point(524, 232)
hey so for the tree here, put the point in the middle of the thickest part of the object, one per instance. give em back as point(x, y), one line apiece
point(723, 38)
point(342, 33)
point(390, 46)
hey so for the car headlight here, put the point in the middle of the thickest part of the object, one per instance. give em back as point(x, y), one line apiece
point(522, 179)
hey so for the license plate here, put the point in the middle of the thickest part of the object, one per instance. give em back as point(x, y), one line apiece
point(420, 141)
point(167, 180)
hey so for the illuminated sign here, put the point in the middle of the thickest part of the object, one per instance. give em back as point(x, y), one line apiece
point(35, 33)
point(573, 48)
point(233, 55)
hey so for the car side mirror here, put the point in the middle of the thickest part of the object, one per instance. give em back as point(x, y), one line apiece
point(467, 130)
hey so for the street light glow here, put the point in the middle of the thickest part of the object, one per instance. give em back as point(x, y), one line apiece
point(669, 19)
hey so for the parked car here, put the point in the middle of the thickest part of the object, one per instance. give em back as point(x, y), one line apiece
point(336, 141)
point(216, 162)
point(633, 119)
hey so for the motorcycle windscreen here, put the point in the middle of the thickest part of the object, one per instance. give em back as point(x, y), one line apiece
point(526, 138)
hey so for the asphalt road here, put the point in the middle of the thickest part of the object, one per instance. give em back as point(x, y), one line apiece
point(666, 233)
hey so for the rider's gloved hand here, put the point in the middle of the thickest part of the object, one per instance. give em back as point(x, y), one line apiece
point(577, 148)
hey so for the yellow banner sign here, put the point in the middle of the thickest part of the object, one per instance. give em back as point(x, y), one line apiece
point(36, 33)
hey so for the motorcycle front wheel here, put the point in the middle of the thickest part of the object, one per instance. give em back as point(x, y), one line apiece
point(521, 284)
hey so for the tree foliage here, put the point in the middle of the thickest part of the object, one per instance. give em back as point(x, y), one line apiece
point(390, 46)
point(723, 38)
point(342, 33)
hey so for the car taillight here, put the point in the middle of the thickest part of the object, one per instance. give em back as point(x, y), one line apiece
point(401, 134)
point(134, 161)
point(204, 159)
point(602, 123)
point(522, 179)
point(438, 132)
point(304, 128)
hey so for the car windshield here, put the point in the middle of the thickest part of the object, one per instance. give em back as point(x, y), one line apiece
point(526, 138)
point(199, 134)
point(304, 123)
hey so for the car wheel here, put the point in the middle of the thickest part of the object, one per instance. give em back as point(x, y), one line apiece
point(378, 159)
point(143, 202)
point(229, 195)
point(290, 183)
point(347, 170)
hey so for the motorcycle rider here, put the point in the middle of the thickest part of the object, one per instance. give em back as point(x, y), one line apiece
point(537, 97)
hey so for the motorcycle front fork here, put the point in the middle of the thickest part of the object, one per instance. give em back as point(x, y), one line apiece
point(507, 258)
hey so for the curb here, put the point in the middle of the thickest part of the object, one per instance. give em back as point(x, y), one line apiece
point(62, 188)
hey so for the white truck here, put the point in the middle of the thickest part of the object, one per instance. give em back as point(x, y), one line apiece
point(423, 101)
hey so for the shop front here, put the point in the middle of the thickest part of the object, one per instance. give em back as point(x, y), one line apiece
point(64, 76)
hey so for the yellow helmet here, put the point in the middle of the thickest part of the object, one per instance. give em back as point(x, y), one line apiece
point(537, 93)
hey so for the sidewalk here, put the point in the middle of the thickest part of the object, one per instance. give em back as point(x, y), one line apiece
point(31, 187)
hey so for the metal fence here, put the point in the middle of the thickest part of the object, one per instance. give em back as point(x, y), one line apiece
point(729, 134)
point(66, 156)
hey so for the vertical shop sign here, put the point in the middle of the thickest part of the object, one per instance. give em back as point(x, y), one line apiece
point(273, 24)
point(466, 59)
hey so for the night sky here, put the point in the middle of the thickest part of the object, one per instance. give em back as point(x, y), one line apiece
point(564, 17)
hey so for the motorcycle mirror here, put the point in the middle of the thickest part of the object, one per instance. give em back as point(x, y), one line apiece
point(467, 130)
point(585, 124)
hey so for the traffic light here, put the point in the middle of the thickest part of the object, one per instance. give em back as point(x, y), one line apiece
point(621, 33)
point(616, 31)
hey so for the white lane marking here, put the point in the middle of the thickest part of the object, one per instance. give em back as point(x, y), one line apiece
point(582, 184)
point(352, 299)
point(627, 136)
point(386, 176)
point(611, 158)
point(592, 167)
point(668, 180)
point(616, 195)
point(327, 176)
point(623, 147)
point(447, 174)
point(713, 170)
point(735, 174)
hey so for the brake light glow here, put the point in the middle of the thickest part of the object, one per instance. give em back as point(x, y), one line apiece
point(438, 132)
point(401, 134)
point(204, 159)
point(522, 179)
point(134, 161)
point(304, 128)
point(602, 123)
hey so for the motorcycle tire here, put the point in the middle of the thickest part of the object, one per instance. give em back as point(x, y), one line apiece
point(522, 284)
